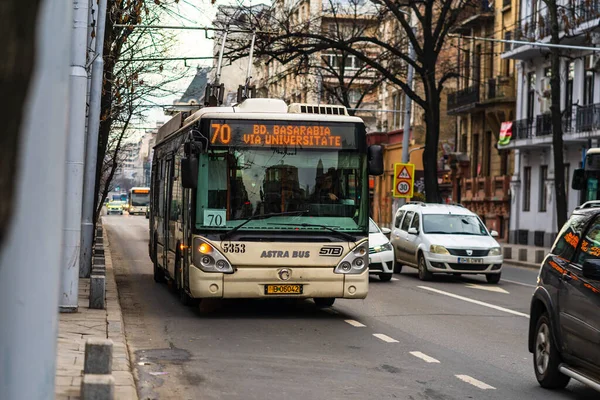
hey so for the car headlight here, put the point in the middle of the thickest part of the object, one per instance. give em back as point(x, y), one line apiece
point(355, 262)
point(437, 249)
point(383, 247)
point(495, 251)
point(209, 259)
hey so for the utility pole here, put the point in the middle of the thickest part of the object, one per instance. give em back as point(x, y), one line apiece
point(407, 108)
point(75, 157)
point(91, 154)
point(30, 256)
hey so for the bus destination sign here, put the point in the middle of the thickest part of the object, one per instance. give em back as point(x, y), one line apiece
point(309, 135)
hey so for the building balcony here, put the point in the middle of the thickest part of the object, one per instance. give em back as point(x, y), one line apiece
point(588, 118)
point(578, 126)
point(463, 100)
point(491, 92)
point(486, 188)
point(580, 17)
point(478, 15)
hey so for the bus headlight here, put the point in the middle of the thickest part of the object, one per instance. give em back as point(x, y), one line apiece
point(209, 259)
point(355, 262)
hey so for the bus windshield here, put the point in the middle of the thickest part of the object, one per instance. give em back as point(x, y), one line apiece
point(237, 183)
point(140, 199)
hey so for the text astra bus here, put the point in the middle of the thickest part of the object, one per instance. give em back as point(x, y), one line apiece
point(139, 200)
point(263, 200)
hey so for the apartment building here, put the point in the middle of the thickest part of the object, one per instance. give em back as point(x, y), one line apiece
point(533, 212)
point(485, 99)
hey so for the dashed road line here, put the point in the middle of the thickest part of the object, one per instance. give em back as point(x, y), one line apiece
point(469, 300)
point(475, 382)
point(385, 338)
point(354, 323)
point(424, 357)
point(395, 279)
point(330, 311)
point(487, 288)
point(519, 283)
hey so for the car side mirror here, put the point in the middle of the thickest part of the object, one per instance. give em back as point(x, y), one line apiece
point(189, 173)
point(375, 157)
point(494, 234)
point(578, 182)
point(386, 231)
point(413, 231)
point(591, 269)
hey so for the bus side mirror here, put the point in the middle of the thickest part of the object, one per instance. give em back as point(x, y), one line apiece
point(375, 156)
point(189, 173)
point(578, 182)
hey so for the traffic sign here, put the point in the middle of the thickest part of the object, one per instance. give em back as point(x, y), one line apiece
point(404, 180)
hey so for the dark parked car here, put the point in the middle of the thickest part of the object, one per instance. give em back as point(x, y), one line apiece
point(564, 329)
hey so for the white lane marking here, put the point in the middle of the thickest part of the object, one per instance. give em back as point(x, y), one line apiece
point(354, 323)
point(395, 279)
point(495, 289)
point(475, 382)
point(330, 311)
point(518, 283)
point(481, 303)
point(385, 338)
point(424, 357)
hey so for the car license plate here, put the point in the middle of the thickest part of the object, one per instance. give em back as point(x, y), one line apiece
point(283, 289)
point(463, 260)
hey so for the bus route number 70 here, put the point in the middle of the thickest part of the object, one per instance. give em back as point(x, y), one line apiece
point(221, 134)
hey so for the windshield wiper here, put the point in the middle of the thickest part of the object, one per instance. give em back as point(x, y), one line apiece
point(261, 216)
point(342, 234)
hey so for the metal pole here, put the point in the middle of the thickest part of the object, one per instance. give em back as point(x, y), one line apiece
point(91, 154)
point(527, 43)
point(218, 76)
point(30, 255)
point(249, 73)
point(75, 157)
point(407, 108)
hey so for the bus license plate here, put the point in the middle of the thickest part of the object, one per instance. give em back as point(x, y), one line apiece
point(470, 260)
point(283, 289)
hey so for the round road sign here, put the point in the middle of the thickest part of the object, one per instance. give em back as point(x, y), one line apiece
point(403, 187)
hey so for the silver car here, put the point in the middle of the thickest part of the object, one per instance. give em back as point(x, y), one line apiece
point(450, 239)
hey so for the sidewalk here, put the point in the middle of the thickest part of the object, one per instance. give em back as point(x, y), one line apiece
point(73, 331)
point(524, 256)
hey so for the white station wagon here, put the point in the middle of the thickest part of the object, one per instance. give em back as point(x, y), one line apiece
point(440, 238)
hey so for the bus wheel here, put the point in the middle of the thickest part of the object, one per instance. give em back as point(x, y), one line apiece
point(322, 302)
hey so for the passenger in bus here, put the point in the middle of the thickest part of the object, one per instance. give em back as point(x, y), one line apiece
point(326, 191)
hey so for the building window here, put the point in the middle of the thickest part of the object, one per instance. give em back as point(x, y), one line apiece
point(350, 62)
point(487, 154)
point(476, 167)
point(588, 85)
point(398, 107)
point(543, 191)
point(530, 94)
point(526, 188)
point(569, 87)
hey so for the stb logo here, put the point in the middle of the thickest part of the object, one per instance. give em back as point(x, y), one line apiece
point(331, 251)
point(469, 252)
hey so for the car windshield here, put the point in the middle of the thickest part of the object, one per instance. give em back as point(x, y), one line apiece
point(373, 227)
point(450, 224)
point(238, 183)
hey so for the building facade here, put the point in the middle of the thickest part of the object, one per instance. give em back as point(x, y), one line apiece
point(533, 211)
point(484, 100)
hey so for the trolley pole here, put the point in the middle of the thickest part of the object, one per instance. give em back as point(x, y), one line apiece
point(91, 154)
point(75, 157)
point(30, 254)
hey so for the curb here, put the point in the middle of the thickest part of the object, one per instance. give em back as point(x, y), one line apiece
point(122, 366)
point(523, 264)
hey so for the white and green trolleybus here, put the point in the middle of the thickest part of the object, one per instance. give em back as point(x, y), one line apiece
point(263, 200)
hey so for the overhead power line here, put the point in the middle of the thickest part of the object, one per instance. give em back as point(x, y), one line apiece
point(196, 28)
point(527, 43)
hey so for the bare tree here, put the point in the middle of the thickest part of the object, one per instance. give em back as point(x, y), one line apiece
point(288, 39)
point(129, 83)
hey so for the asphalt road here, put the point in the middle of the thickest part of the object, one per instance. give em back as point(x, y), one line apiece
point(452, 338)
